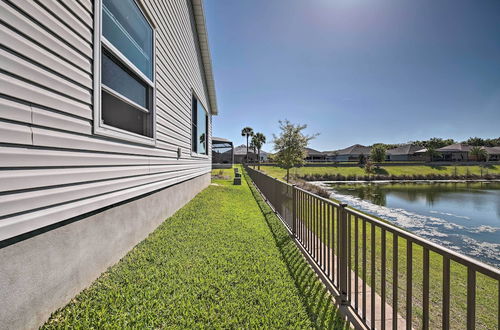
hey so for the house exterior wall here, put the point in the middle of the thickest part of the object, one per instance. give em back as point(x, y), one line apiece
point(399, 157)
point(238, 159)
point(415, 157)
point(54, 168)
point(344, 158)
point(315, 158)
point(455, 155)
point(252, 157)
point(52, 164)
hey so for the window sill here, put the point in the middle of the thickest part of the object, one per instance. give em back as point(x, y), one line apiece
point(119, 134)
point(197, 155)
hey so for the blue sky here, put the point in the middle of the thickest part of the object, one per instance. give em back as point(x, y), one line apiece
point(357, 71)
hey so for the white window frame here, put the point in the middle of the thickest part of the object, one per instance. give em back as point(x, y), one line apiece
point(194, 153)
point(100, 128)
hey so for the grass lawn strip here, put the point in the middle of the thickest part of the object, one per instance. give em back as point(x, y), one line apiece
point(398, 171)
point(315, 296)
point(214, 264)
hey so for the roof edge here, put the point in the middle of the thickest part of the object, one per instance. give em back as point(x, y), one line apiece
point(201, 30)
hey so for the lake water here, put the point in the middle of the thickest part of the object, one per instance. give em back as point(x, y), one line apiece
point(462, 216)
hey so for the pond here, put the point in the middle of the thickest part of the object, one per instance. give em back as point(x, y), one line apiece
point(463, 216)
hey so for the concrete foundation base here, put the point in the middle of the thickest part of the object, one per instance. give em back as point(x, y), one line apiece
point(42, 273)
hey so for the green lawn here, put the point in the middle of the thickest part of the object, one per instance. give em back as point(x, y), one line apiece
point(222, 261)
point(223, 175)
point(280, 173)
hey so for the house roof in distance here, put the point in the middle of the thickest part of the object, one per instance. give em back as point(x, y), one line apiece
point(492, 150)
point(407, 149)
point(457, 147)
point(313, 152)
point(242, 150)
point(356, 149)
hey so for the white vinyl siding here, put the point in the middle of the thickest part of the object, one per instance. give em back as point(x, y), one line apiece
point(52, 165)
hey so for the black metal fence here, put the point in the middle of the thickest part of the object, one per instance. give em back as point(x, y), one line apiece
point(383, 276)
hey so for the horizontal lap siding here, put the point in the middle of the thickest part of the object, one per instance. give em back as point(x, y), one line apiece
point(52, 166)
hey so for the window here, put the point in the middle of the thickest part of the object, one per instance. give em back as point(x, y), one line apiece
point(199, 120)
point(125, 99)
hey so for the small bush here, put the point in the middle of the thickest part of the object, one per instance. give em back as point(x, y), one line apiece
point(311, 188)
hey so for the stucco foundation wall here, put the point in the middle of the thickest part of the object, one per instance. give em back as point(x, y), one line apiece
point(43, 273)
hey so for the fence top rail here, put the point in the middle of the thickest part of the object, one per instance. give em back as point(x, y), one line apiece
point(326, 200)
point(268, 176)
point(445, 252)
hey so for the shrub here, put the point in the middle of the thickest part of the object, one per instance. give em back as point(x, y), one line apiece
point(369, 167)
point(311, 188)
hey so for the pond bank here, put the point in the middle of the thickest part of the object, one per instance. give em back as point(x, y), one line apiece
point(328, 173)
point(405, 181)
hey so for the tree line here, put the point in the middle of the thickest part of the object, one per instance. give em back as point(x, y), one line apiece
point(290, 146)
point(437, 143)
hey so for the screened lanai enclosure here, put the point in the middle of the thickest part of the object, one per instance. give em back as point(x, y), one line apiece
point(222, 153)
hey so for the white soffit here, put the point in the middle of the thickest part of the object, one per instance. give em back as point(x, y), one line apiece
point(201, 29)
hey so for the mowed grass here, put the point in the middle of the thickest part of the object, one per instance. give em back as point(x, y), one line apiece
point(280, 173)
point(214, 264)
point(223, 175)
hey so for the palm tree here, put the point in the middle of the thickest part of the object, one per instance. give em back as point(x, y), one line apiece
point(248, 132)
point(257, 141)
point(432, 153)
point(479, 153)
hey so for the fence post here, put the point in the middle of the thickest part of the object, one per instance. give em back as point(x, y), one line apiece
point(275, 194)
point(294, 211)
point(343, 255)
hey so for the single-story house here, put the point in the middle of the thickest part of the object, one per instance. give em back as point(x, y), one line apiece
point(407, 152)
point(240, 153)
point(313, 155)
point(493, 153)
point(455, 152)
point(105, 122)
point(351, 153)
point(222, 151)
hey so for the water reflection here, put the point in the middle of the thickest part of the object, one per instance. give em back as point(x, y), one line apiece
point(432, 192)
point(459, 215)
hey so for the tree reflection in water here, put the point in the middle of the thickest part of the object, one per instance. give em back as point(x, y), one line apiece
point(377, 193)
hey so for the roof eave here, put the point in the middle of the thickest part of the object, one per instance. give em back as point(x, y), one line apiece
point(201, 29)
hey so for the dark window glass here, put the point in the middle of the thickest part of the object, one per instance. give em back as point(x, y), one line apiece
point(127, 29)
point(120, 114)
point(202, 126)
point(199, 121)
point(123, 81)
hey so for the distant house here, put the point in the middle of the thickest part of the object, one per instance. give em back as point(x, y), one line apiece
point(313, 155)
point(493, 153)
point(455, 152)
point(240, 153)
point(351, 153)
point(407, 152)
